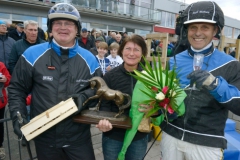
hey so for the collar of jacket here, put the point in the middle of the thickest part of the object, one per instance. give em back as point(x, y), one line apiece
point(127, 72)
point(25, 39)
point(72, 51)
point(206, 52)
point(3, 37)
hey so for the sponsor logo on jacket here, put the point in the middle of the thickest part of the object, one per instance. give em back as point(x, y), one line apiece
point(47, 78)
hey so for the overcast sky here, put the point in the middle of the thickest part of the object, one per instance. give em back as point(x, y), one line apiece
point(231, 8)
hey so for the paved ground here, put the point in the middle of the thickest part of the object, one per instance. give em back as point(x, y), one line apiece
point(15, 154)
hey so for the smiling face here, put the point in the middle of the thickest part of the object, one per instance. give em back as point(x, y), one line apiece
point(131, 55)
point(114, 52)
point(64, 32)
point(101, 52)
point(201, 34)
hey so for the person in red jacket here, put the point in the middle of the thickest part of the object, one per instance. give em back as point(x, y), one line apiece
point(4, 82)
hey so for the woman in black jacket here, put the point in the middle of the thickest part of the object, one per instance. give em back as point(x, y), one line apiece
point(132, 50)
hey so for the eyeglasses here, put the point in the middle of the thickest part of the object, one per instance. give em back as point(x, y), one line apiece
point(66, 24)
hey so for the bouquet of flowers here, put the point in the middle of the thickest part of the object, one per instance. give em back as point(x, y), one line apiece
point(159, 89)
point(162, 88)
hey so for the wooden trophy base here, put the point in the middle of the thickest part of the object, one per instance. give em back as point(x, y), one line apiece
point(93, 117)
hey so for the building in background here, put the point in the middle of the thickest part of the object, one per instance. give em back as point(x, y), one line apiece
point(149, 15)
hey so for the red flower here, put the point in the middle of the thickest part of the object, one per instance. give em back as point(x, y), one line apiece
point(170, 110)
point(154, 89)
point(164, 103)
point(166, 100)
point(165, 89)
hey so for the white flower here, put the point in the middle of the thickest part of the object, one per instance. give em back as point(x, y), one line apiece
point(160, 96)
point(144, 72)
point(172, 93)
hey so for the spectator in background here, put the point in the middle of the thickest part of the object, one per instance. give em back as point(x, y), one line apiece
point(93, 34)
point(6, 44)
point(118, 39)
point(99, 35)
point(94, 49)
point(233, 53)
point(109, 36)
point(10, 26)
point(112, 39)
point(17, 33)
point(125, 35)
point(84, 41)
point(41, 33)
point(104, 62)
point(115, 59)
point(30, 38)
point(4, 82)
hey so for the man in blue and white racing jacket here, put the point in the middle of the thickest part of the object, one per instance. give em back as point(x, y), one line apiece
point(52, 72)
point(199, 133)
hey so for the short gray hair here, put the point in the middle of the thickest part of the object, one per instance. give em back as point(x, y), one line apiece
point(31, 22)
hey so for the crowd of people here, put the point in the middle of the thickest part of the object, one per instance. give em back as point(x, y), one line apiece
point(61, 64)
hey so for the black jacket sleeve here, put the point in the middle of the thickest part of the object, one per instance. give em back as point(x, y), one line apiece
point(20, 86)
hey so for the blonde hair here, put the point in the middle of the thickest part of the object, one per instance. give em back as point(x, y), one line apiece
point(103, 45)
point(114, 45)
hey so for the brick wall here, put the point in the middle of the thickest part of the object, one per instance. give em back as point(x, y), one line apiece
point(236, 119)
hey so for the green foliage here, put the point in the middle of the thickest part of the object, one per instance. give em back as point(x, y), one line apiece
point(156, 76)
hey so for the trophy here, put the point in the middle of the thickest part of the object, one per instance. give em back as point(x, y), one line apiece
point(118, 120)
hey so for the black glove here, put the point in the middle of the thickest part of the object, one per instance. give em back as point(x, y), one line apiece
point(17, 125)
point(80, 98)
point(203, 79)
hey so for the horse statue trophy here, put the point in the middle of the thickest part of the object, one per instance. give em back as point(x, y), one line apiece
point(118, 120)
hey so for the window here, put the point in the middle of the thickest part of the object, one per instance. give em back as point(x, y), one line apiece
point(236, 33)
point(5, 16)
point(98, 26)
point(168, 19)
point(142, 32)
point(228, 31)
point(44, 24)
point(24, 18)
point(115, 28)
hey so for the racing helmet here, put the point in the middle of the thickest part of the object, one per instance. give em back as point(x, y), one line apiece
point(63, 11)
point(204, 11)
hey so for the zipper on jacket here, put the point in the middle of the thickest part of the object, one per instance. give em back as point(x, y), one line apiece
point(185, 117)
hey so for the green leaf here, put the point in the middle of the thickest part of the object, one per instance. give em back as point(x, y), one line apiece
point(152, 111)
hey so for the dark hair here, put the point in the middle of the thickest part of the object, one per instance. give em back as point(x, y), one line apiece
point(137, 40)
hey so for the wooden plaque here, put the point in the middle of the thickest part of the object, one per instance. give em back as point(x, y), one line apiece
point(93, 117)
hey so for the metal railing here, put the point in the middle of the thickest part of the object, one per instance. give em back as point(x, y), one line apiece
point(12, 145)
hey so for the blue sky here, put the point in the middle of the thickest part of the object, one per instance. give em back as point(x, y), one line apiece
point(231, 8)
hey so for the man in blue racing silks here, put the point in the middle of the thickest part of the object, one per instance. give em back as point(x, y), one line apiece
point(52, 72)
point(199, 133)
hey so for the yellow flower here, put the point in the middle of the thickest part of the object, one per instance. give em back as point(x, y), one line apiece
point(160, 96)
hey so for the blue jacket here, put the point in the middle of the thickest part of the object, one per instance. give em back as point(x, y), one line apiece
point(52, 74)
point(6, 44)
point(207, 111)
